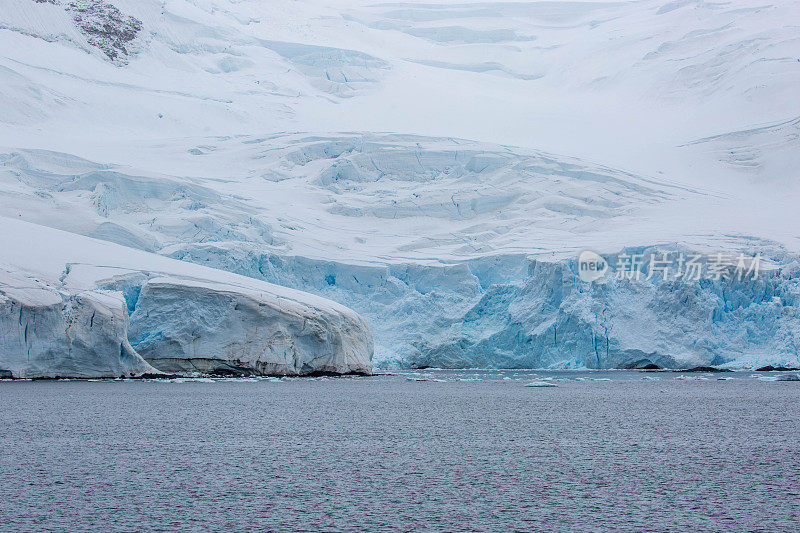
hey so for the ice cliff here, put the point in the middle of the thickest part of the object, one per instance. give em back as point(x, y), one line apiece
point(49, 332)
point(71, 306)
point(515, 311)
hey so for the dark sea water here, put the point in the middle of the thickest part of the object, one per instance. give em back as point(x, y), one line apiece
point(462, 451)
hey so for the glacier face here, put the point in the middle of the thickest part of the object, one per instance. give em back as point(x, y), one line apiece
point(49, 332)
point(513, 311)
point(183, 325)
point(503, 311)
point(78, 307)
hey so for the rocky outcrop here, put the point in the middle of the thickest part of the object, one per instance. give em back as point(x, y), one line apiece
point(103, 25)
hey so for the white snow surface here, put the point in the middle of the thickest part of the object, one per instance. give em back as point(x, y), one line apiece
point(433, 165)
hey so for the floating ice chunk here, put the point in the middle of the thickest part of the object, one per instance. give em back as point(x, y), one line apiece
point(541, 384)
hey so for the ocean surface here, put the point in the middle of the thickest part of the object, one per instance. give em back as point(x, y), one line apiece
point(419, 451)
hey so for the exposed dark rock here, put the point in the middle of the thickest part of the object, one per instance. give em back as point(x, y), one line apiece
point(105, 26)
point(323, 373)
point(229, 372)
point(705, 369)
point(61, 378)
point(158, 376)
point(770, 368)
point(641, 364)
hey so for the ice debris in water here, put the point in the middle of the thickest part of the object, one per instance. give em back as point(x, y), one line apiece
point(541, 384)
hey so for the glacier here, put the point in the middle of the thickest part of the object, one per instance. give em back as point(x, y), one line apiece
point(466, 298)
point(434, 167)
point(516, 311)
point(73, 306)
point(48, 332)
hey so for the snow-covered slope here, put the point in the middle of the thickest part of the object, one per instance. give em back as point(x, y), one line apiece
point(624, 83)
point(172, 127)
point(78, 307)
point(350, 197)
point(689, 93)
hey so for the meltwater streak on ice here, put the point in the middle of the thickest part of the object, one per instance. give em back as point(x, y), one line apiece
point(387, 454)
